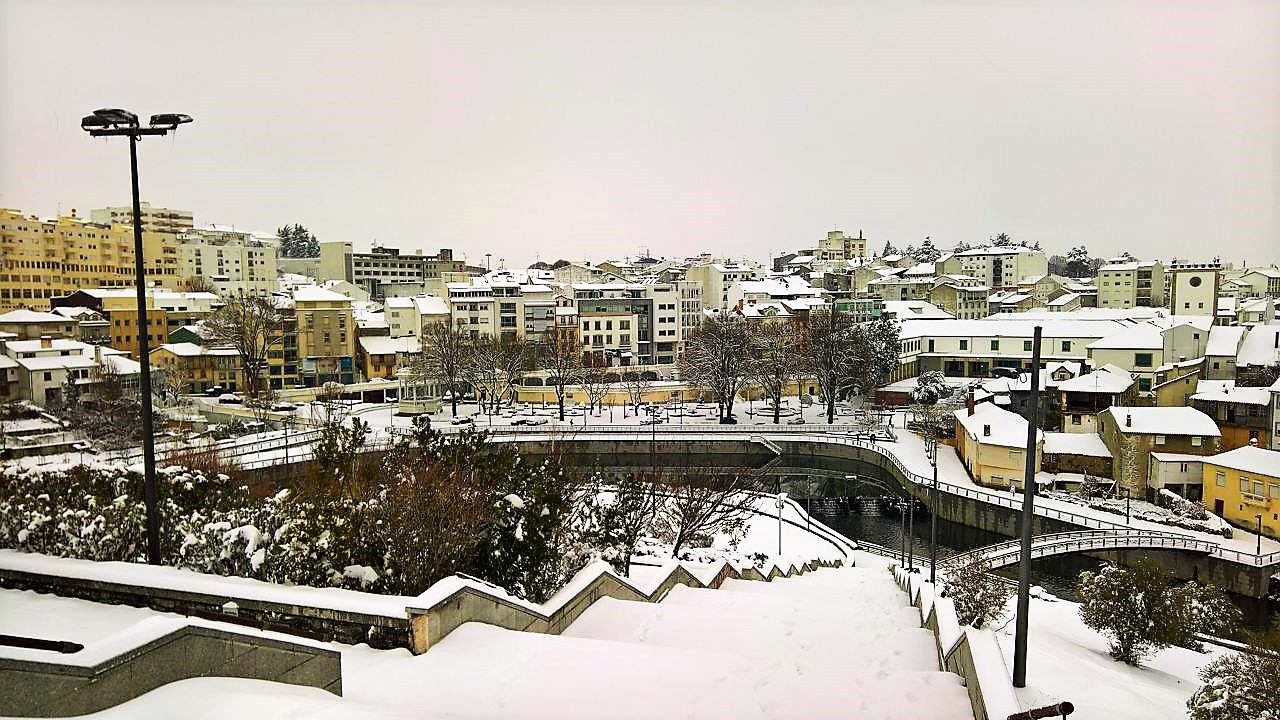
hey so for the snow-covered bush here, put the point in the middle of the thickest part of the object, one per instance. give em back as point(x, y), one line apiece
point(980, 598)
point(1241, 686)
point(1140, 609)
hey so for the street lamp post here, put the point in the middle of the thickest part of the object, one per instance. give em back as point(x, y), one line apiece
point(933, 509)
point(122, 123)
point(1028, 518)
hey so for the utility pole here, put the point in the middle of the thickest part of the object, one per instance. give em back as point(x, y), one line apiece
point(1028, 515)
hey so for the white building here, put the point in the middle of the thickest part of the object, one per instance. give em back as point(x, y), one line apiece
point(629, 323)
point(998, 267)
point(154, 219)
point(407, 316)
point(43, 366)
point(1131, 284)
point(237, 263)
point(716, 279)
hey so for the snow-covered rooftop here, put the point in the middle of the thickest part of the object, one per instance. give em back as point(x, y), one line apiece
point(1106, 379)
point(1249, 459)
point(1227, 391)
point(992, 425)
point(383, 345)
point(30, 316)
point(1224, 340)
point(1062, 443)
point(1163, 421)
point(1261, 346)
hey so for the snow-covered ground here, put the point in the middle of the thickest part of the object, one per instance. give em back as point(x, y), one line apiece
point(832, 644)
point(1068, 661)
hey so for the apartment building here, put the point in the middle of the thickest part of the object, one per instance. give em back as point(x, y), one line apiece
point(383, 265)
point(44, 366)
point(838, 246)
point(579, 273)
point(198, 368)
point(41, 259)
point(154, 219)
point(963, 296)
point(32, 325)
point(411, 316)
point(629, 323)
point(1131, 284)
point(717, 277)
point(1243, 414)
point(991, 442)
point(690, 300)
point(1261, 282)
point(237, 263)
point(1192, 288)
point(998, 267)
point(326, 336)
point(503, 304)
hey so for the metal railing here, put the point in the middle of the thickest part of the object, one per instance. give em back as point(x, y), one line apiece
point(1008, 553)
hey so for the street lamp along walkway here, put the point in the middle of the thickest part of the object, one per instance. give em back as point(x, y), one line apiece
point(113, 122)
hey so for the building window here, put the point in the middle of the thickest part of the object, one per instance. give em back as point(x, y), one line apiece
point(1142, 359)
point(1273, 490)
point(1244, 485)
point(1144, 384)
point(1066, 346)
point(995, 344)
point(1195, 440)
point(1259, 488)
point(964, 344)
point(1159, 439)
point(1026, 346)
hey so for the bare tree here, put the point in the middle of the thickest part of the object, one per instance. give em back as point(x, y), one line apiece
point(562, 360)
point(636, 384)
point(169, 384)
point(495, 366)
point(847, 358)
point(703, 504)
point(594, 380)
point(718, 357)
point(444, 357)
point(329, 408)
point(200, 283)
point(253, 326)
point(774, 361)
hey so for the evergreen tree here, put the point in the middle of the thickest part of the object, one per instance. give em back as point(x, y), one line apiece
point(297, 242)
point(927, 252)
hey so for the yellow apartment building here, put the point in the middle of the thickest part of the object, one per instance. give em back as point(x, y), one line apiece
point(198, 368)
point(992, 444)
point(42, 259)
point(326, 336)
point(1241, 484)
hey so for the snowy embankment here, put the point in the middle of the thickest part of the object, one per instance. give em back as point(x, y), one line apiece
point(1068, 661)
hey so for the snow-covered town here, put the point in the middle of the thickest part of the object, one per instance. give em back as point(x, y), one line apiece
point(887, 361)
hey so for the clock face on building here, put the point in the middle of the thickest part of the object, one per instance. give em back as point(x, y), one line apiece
point(1194, 281)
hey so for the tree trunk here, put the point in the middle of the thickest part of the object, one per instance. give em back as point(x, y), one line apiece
point(560, 401)
point(777, 407)
point(453, 399)
point(831, 408)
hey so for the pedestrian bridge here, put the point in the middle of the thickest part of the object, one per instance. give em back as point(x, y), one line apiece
point(1064, 543)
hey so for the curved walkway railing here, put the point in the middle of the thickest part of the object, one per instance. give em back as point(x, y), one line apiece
point(1008, 553)
point(243, 455)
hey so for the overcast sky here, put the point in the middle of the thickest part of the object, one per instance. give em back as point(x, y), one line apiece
point(544, 130)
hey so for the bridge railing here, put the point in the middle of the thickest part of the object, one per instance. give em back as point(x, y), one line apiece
point(1008, 552)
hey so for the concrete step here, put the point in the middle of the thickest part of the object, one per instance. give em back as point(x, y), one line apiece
point(834, 640)
point(782, 605)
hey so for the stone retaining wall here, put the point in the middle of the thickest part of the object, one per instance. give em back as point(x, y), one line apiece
point(46, 689)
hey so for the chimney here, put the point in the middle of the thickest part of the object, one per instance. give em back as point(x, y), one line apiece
point(46, 342)
point(1128, 419)
point(968, 402)
point(986, 431)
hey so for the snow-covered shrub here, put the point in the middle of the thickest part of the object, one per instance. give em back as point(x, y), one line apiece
point(980, 598)
point(1140, 609)
point(1241, 686)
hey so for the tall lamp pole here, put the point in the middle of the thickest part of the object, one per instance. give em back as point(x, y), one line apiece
point(1028, 503)
point(932, 446)
point(122, 123)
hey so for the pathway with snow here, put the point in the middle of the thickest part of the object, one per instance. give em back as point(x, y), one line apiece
point(835, 643)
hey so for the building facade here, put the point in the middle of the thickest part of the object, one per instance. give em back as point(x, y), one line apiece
point(154, 219)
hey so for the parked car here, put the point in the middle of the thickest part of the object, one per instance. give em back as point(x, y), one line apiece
point(229, 399)
point(462, 421)
point(283, 406)
point(521, 421)
point(537, 421)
